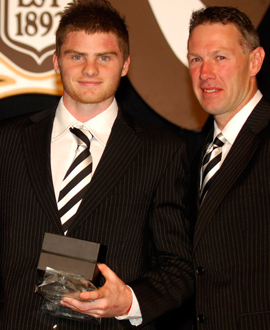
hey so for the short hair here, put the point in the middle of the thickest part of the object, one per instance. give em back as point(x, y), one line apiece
point(92, 16)
point(249, 37)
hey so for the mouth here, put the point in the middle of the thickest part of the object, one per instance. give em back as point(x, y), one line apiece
point(89, 83)
point(209, 90)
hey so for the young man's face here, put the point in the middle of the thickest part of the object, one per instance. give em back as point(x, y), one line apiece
point(91, 66)
point(222, 74)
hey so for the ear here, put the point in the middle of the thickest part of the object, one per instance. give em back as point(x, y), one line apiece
point(257, 58)
point(56, 63)
point(125, 67)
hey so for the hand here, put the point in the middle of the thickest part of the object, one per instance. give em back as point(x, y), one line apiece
point(114, 298)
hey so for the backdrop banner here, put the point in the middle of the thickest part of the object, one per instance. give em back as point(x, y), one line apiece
point(158, 37)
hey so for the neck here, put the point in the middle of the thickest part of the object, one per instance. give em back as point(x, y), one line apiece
point(84, 112)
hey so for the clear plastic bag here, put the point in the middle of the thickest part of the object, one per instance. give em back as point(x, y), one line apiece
point(58, 284)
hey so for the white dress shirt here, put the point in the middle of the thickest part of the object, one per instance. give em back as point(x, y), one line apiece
point(64, 145)
point(233, 127)
point(63, 148)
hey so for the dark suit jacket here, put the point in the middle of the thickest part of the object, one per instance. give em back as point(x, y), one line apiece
point(136, 206)
point(232, 236)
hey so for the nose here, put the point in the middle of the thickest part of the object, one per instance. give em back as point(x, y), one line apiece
point(207, 71)
point(90, 68)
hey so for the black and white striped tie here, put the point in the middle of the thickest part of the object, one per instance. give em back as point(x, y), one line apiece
point(211, 164)
point(75, 182)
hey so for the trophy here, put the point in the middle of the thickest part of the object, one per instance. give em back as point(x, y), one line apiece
point(68, 267)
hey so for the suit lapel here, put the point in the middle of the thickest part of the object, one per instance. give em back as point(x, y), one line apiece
point(241, 153)
point(36, 139)
point(122, 147)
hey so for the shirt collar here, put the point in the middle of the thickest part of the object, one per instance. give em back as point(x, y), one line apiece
point(233, 127)
point(100, 126)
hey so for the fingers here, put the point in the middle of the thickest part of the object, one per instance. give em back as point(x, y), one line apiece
point(106, 271)
point(92, 295)
point(81, 307)
point(112, 299)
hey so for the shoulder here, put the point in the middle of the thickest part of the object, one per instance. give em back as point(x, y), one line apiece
point(259, 117)
point(26, 119)
point(11, 129)
point(149, 132)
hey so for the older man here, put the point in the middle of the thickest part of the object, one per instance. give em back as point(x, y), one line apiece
point(231, 244)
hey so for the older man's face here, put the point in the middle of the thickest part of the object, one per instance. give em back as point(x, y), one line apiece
point(222, 73)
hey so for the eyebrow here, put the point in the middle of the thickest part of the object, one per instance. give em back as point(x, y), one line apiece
point(214, 52)
point(71, 51)
point(221, 50)
point(192, 54)
point(85, 54)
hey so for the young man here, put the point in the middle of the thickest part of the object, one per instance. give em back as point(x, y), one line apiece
point(231, 243)
point(135, 203)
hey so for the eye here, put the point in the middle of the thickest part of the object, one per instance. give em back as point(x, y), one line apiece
point(77, 57)
point(194, 60)
point(104, 58)
point(220, 57)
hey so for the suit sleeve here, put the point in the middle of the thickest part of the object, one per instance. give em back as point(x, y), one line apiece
point(169, 282)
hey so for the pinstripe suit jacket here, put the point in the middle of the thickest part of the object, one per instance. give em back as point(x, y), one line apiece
point(232, 235)
point(135, 206)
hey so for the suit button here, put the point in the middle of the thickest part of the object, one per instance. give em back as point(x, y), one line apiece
point(200, 318)
point(200, 271)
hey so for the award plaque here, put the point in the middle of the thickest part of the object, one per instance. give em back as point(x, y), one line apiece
point(68, 267)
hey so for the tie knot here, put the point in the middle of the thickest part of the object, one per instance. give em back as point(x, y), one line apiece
point(217, 143)
point(82, 135)
point(211, 164)
point(219, 140)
